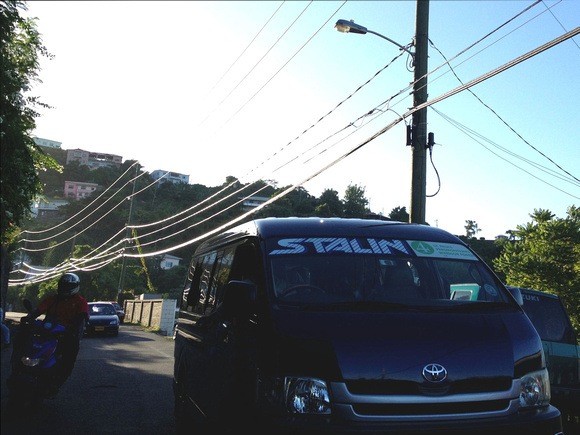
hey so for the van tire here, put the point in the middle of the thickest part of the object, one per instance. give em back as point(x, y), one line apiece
point(182, 412)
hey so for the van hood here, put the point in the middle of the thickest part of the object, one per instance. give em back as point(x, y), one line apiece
point(399, 345)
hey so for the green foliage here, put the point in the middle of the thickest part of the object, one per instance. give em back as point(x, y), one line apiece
point(399, 214)
point(329, 204)
point(355, 202)
point(545, 255)
point(471, 229)
point(170, 280)
point(47, 288)
point(20, 157)
point(15, 295)
point(488, 250)
point(296, 203)
point(100, 285)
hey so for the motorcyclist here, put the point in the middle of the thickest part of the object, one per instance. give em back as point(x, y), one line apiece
point(70, 309)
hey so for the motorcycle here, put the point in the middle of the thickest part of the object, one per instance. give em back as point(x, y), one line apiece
point(35, 359)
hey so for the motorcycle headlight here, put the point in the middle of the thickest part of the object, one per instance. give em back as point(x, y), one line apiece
point(535, 389)
point(306, 396)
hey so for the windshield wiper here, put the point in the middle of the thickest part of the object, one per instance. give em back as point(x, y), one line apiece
point(358, 305)
point(475, 306)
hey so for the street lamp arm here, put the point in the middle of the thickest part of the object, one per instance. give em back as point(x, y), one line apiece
point(345, 26)
point(402, 47)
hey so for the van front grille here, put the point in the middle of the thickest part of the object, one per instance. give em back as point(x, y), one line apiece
point(430, 408)
point(396, 387)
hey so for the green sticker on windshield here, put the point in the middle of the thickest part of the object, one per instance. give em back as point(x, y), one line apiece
point(441, 250)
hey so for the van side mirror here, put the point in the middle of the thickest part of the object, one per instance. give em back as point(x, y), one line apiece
point(238, 297)
point(517, 294)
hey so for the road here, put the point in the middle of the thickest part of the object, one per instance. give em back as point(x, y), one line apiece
point(120, 385)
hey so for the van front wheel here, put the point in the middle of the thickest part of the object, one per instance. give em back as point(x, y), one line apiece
point(180, 408)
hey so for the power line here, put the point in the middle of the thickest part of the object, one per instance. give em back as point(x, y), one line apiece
point(285, 64)
point(502, 120)
point(360, 145)
point(245, 49)
point(259, 61)
point(549, 9)
point(94, 222)
point(470, 133)
point(75, 215)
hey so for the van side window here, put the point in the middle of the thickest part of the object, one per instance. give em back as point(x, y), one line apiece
point(204, 282)
point(191, 292)
point(219, 279)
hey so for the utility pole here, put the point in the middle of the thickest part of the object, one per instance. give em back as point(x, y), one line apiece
point(72, 248)
point(127, 235)
point(419, 123)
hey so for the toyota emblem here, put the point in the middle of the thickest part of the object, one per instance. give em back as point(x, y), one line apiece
point(434, 373)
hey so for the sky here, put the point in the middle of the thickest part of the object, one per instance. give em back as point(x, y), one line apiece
point(271, 90)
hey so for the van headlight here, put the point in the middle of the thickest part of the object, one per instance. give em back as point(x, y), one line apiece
point(535, 389)
point(306, 396)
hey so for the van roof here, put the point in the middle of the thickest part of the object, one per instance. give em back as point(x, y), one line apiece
point(273, 227)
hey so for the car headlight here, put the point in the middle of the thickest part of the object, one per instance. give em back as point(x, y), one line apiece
point(306, 396)
point(535, 389)
point(114, 322)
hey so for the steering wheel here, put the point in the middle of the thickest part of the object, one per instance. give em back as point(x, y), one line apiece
point(301, 288)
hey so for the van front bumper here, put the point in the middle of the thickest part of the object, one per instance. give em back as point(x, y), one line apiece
point(545, 421)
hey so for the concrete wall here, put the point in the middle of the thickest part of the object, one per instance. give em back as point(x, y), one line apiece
point(152, 313)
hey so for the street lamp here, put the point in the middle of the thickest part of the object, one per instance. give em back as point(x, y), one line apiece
point(419, 124)
point(345, 26)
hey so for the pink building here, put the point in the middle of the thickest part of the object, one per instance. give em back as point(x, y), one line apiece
point(78, 189)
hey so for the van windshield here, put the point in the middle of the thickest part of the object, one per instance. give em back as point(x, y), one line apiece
point(308, 271)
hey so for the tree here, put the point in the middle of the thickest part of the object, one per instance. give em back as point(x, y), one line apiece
point(298, 202)
point(170, 281)
point(98, 285)
point(471, 229)
point(329, 204)
point(20, 157)
point(355, 202)
point(545, 255)
point(399, 214)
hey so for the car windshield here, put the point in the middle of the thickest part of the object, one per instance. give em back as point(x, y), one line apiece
point(102, 310)
point(318, 276)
